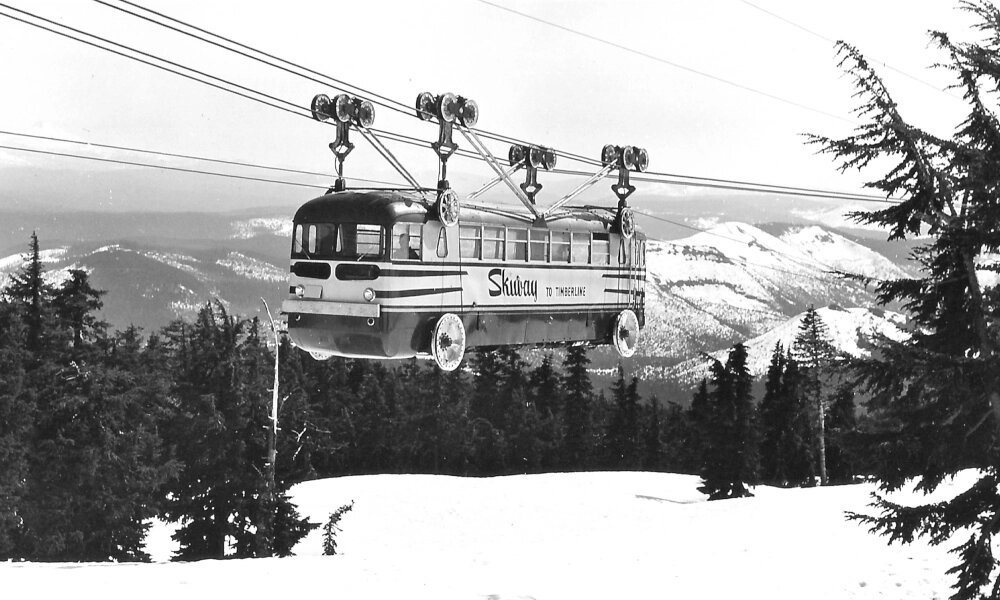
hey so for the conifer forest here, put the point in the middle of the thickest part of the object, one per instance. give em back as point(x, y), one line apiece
point(102, 430)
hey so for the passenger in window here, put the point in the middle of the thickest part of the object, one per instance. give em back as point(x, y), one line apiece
point(402, 248)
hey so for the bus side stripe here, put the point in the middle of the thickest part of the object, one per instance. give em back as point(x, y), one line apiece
point(417, 292)
point(419, 273)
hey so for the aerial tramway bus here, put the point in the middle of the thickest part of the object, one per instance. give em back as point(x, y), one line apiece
point(395, 273)
point(375, 274)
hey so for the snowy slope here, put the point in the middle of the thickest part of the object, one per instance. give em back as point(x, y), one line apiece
point(735, 282)
point(577, 536)
point(851, 331)
point(840, 253)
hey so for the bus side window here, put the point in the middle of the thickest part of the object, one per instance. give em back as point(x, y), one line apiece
point(560, 246)
point(442, 245)
point(470, 241)
point(539, 245)
point(580, 250)
point(601, 249)
point(493, 240)
point(517, 244)
point(406, 241)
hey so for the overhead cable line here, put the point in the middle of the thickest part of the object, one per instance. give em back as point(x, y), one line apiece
point(833, 41)
point(166, 154)
point(664, 61)
point(186, 156)
point(310, 74)
point(295, 109)
point(343, 85)
point(728, 184)
point(181, 169)
point(148, 62)
point(762, 188)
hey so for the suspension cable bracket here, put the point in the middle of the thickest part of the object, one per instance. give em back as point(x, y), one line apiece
point(531, 158)
point(625, 159)
point(344, 111)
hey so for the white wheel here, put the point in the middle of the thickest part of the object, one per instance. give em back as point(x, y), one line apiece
point(625, 335)
point(626, 222)
point(449, 208)
point(448, 342)
point(321, 355)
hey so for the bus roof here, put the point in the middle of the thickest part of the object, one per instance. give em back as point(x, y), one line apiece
point(386, 207)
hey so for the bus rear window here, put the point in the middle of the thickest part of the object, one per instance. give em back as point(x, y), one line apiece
point(338, 241)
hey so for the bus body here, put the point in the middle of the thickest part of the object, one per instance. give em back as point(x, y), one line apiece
point(373, 271)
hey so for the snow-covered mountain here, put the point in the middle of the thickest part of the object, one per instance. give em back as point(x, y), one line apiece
point(735, 282)
point(150, 285)
point(851, 331)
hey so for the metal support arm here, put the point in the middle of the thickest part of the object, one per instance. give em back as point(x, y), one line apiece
point(579, 190)
point(491, 160)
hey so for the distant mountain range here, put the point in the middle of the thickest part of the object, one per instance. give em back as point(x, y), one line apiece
point(732, 282)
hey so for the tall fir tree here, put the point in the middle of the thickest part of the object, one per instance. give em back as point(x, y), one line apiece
point(785, 426)
point(29, 291)
point(546, 393)
point(16, 417)
point(622, 437)
point(842, 427)
point(699, 422)
point(95, 461)
point(653, 451)
point(217, 428)
point(577, 447)
point(730, 462)
point(815, 355)
point(935, 396)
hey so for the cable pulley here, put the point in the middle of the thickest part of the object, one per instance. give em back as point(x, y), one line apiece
point(345, 111)
point(449, 110)
point(531, 158)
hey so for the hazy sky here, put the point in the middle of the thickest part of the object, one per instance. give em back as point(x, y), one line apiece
point(531, 80)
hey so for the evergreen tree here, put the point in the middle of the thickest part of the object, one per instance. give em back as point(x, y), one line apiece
point(16, 418)
point(935, 396)
point(577, 441)
point(842, 427)
point(488, 402)
point(218, 427)
point(95, 461)
point(29, 291)
point(699, 419)
point(676, 436)
point(653, 446)
point(622, 435)
point(730, 461)
point(546, 393)
point(785, 426)
point(815, 355)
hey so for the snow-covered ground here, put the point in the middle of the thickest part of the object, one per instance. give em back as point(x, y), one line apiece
point(545, 537)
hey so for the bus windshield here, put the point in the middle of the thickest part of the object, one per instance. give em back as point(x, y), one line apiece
point(338, 241)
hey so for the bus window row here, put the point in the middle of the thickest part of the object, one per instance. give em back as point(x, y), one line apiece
point(485, 242)
point(363, 241)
